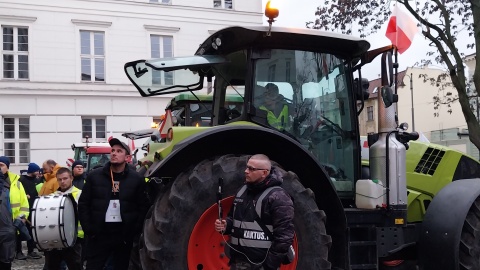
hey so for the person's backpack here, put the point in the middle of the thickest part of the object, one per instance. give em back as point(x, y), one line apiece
point(290, 256)
point(7, 230)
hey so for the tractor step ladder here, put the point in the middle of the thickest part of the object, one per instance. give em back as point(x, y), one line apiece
point(362, 246)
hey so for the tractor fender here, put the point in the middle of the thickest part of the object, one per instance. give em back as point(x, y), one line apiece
point(287, 152)
point(442, 226)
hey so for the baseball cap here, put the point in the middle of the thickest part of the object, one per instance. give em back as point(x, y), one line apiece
point(115, 141)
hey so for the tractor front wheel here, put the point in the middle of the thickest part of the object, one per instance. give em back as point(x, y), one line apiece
point(179, 232)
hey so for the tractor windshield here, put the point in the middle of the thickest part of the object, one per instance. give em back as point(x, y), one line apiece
point(305, 94)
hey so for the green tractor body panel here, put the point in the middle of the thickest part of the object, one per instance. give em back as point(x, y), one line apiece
point(158, 151)
point(417, 205)
point(430, 167)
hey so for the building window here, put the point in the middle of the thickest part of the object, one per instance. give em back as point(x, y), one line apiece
point(94, 128)
point(161, 46)
point(92, 56)
point(370, 113)
point(160, 1)
point(15, 52)
point(226, 4)
point(16, 139)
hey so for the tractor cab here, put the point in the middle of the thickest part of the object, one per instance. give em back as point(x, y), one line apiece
point(284, 82)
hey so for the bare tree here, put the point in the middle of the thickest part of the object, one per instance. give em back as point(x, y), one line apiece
point(456, 18)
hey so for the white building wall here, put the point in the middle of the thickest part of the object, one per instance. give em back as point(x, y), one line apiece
point(423, 93)
point(55, 99)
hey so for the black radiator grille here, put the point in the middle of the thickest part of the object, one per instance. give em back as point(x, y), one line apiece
point(429, 161)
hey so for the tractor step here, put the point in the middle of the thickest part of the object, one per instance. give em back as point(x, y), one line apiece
point(363, 266)
point(362, 244)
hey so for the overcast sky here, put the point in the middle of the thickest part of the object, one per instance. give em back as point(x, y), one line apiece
point(294, 13)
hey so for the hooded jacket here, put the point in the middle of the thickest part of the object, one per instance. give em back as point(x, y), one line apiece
point(51, 183)
point(29, 184)
point(96, 196)
point(277, 212)
point(18, 197)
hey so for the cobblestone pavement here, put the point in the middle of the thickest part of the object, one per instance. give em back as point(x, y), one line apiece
point(29, 264)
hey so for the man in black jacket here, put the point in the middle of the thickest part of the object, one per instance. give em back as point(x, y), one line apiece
point(78, 174)
point(111, 209)
point(253, 245)
point(29, 182)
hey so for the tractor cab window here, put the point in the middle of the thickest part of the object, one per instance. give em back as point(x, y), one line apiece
point(304, 94)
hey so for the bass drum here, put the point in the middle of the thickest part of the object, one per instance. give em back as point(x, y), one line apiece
point(54, 222)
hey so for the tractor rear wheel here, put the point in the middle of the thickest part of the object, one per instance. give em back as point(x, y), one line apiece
point(170, 236)
point(469, 252)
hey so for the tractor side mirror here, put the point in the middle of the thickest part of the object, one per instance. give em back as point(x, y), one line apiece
point(361, 89)
point(388, 97)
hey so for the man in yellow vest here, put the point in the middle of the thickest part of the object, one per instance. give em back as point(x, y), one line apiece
point(18, 197)
point(72, 255)
point(275, 106)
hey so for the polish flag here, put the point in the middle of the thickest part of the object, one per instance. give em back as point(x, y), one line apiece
point(401, 29)
point(131, 145)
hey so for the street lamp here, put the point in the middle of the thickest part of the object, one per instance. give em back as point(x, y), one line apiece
point(411, 95)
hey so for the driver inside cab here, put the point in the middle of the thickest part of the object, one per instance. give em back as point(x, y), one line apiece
point(276, 107)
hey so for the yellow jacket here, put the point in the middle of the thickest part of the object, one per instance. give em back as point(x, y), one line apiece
point(51, 183)
point(18, 197)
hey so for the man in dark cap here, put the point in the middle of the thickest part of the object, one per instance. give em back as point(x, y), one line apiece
point(29, 182)
point(78, 174)
point(111, 209)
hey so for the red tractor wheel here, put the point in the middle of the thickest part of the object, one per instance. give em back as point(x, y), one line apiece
point(203, 255)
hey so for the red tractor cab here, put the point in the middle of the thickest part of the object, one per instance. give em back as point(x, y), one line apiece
point(97, 156)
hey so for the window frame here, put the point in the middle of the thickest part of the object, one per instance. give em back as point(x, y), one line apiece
point(161, 51)
point(169, 2)
point(222, 4)
point(16, 160)
point(92, 57)
point(94, 131)
point(371, 111)
point(15, 53)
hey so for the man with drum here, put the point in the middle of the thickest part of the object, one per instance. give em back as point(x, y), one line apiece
point(111, 209)
point(71, 255)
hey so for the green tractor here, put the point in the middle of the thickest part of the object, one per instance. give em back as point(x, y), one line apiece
point(308, 125)
point(185, 111)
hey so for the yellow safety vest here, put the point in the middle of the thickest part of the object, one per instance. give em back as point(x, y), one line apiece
point(277, 122)
point(18, 197)
point(76, 194)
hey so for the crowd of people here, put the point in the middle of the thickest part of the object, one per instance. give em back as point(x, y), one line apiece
point(112, 205)
point(109, 217)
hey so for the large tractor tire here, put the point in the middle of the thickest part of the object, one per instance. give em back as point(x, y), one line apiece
point(469, 252)
point(179, 232)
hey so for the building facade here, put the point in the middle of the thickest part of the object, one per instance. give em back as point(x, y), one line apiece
point(62, 74)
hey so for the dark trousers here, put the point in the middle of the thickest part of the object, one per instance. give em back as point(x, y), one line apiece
point(101, 247)
point(72, 256)
point(30, 243)
point(5, 266)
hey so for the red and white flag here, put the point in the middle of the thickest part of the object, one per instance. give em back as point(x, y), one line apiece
point(401, 29)
point(131, 145)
